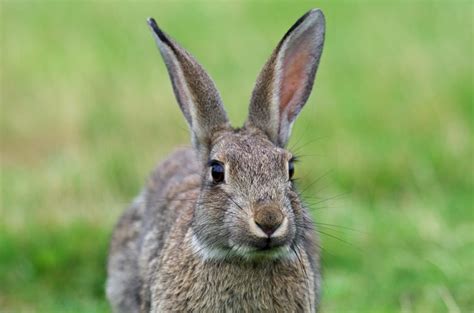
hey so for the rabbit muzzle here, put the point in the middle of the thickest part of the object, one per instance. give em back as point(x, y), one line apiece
point(269, 227)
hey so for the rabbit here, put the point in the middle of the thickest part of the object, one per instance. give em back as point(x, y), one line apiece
point(220, 227)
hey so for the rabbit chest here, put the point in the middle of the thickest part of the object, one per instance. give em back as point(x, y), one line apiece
point(186, 283)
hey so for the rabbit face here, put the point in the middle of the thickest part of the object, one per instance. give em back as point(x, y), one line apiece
point(252, 211)
point(248, 205)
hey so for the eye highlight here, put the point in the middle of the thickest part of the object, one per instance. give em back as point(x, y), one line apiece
point(217, 171)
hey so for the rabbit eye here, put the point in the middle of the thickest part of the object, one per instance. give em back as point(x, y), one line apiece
point(291, 168)
point(217, 171)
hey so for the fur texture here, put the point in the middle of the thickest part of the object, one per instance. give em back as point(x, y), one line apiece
point(194, 241)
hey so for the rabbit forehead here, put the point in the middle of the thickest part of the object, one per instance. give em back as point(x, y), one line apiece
point(242, 148)
point(252, 160)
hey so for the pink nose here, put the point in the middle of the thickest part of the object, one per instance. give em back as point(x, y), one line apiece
point(268, 218)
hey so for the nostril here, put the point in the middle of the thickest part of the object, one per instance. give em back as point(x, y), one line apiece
point(268, 229)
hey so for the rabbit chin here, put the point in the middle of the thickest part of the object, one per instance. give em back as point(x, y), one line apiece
point(238, 251)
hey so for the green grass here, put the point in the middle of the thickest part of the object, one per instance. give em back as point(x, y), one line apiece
point(87, 111)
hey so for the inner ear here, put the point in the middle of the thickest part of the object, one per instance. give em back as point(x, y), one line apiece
point(286, 80)
point(294, 74)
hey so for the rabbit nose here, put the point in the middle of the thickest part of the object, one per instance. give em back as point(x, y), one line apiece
point(268, 219)
point(268, 229)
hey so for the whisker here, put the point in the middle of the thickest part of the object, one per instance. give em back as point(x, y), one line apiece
point(300, 261)
point(230, 198)
point(317, 179)
point(297, 148)
point(339, 226)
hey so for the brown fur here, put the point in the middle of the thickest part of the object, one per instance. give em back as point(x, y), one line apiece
point(190, 244)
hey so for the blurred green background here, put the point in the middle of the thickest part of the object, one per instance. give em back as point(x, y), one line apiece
point(87, 111)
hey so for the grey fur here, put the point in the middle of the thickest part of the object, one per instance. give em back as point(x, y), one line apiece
point(195, 91)
point(188, 244)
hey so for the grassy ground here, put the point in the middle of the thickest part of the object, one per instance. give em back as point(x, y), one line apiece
point(87, 111)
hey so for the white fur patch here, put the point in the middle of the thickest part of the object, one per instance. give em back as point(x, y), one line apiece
point(246, 252)
point(207, 253)
point(254, 229)
point(281, 230)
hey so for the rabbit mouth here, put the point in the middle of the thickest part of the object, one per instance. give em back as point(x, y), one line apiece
point(265, 253)
point(245, 251)
point(269, 249)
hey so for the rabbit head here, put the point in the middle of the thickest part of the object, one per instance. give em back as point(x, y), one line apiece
point(248, 206)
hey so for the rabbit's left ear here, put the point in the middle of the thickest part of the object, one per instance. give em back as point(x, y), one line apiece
point(194, 89)
point(286, 80)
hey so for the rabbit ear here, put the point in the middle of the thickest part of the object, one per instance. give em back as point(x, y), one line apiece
point(286, 80)
point(195, 91)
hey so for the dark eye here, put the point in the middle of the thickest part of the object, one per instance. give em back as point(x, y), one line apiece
point(217, 171)
point(291, 168)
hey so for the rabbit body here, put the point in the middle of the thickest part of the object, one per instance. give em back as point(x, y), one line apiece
point(153, 240)
point(220, 227)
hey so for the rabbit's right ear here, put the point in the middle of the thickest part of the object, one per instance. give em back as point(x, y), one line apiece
point(286, 80)
point(195, 91)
